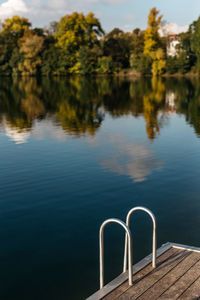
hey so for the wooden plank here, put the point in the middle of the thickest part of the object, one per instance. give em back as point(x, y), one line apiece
point(183, 283)
point(139, 276)
point(193, 292)
point(185, 247)
point(120, 282)
point(143, 285)
point(170, 278)
point(111, 286)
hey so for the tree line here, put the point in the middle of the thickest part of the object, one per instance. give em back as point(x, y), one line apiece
point(77, 44)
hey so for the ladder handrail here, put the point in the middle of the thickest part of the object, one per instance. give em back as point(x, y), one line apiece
point(154, 240)
point(101, 249)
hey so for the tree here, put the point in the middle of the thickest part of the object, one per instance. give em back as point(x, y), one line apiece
point(76, 31)
point(105, 65)
point(16, 26)
point(151, 35)
point(159, 62)
point(116, 44)
point(171, 65)
point(195, 41)
point(137, 42)
point(50, 57)
point(152, 42)
point(11, 31)
point(30, 46)
point(141, 63)
point(86, 61)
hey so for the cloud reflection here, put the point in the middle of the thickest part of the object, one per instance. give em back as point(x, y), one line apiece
point(134, 160)
point(18, 136)
point(47, 128)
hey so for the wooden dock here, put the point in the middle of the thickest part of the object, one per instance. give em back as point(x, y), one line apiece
point(177, 276)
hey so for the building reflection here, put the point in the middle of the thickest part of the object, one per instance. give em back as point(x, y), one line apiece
point(170, 102)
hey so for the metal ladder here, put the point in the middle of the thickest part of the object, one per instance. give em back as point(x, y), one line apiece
point(128, 243)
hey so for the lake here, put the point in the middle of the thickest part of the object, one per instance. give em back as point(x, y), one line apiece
point(76, 151)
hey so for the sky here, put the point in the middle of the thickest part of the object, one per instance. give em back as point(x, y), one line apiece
point(124, 14)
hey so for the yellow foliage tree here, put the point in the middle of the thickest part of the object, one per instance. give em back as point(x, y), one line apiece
point(152, 42)
point(16, 25)
point(151, 35)
point(76, 31)
point(30, 46)
point(159, 62)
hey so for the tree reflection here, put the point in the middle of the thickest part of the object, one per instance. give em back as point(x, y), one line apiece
point(79, 107)
point(153, 102)
point(31, 104)
point(79, 104)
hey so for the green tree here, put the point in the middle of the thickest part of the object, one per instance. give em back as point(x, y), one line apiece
point(185, 45)
point(50, 56)
point(171, 65)
point(116, 44)
point(137, 42)
point(142, 63)
point(105, 65)
point(86, 61)
point(195, 41)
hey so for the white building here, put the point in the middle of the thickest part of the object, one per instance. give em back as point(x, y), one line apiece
point(172, 42)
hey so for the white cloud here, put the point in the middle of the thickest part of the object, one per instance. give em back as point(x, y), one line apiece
point(12, 7)
point(111, 2)
point(38, 12)
point(42, 12)
point(171, 28)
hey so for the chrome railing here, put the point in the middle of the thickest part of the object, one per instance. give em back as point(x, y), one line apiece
point(154, 235)
point(128, 249)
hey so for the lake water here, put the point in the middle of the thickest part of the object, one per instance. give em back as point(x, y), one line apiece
point(76, 151)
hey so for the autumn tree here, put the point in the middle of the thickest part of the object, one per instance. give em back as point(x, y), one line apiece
point(16, 26)
point(152, 42)
point(30, 46)
point(76, 31)
point(12, 29)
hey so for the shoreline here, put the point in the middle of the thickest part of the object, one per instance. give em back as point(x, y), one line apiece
point(123, 73)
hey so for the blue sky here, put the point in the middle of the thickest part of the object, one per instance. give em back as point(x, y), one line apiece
point(125, 14)
point(135, 12)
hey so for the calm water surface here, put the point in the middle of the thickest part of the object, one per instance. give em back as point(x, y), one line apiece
point(76, 151)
